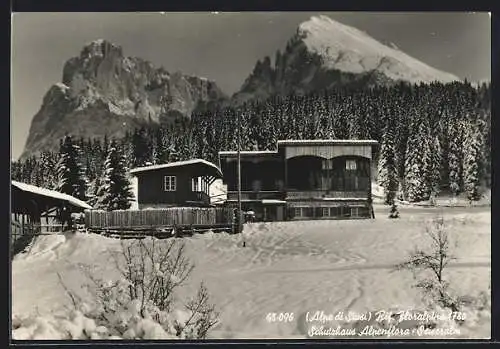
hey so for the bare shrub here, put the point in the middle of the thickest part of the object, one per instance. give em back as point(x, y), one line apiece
point(428, 265)
point(140, 304)
point(153, 271)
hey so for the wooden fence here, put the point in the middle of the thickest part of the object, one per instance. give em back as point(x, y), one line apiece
point(166, 217)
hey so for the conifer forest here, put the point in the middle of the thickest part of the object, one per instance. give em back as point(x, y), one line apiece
point(432, 138)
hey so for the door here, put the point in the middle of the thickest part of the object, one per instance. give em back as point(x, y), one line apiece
point(280, 213)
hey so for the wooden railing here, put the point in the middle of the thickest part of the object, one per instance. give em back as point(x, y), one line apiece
point(296, 194)
point(323, 194)
point(259, 195)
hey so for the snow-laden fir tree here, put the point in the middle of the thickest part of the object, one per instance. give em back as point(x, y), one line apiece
point(400, 144)
point(93, 191)
point(140, 147)
point(158, 151)
point(486, 131)
point(89, 179)
point(355, 124)
point(471, 166)
point(290, 127)
point(36, 174)
point(185, 146)
point(115, 192)
point(171, 152)
point(70, 172)
point(273, 134)
point(434, 173)
point(245, 141)
point(387, 177)
point(417, 162)
point(455, 158)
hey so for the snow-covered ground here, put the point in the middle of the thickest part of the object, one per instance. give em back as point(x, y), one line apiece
point(442, 200)
point(285, 267)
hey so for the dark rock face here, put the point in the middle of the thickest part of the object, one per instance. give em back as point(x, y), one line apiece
point(104, 92)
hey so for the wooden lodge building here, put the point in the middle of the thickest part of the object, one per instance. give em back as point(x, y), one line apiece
point(176, 184)
point(303, 179)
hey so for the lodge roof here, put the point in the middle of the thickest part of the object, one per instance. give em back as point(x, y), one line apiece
point(37, 191)
point(249, 152)
point(327, 142)
point(198, 163)
point(300, 142)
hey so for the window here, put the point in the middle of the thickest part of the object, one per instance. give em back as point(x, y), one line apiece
point(304, 212)
point(298, 212)
point(326, 164)
point(350, 165)
point(195, 184)
point(359, 211)
point(170, 183)
point(326, 211)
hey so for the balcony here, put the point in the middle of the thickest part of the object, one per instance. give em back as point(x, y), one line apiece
point(324, 194)
point(255, 195)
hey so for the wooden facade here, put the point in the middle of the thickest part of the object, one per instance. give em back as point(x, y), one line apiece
point(178, 184)
point(327, 149)
point(303, 179)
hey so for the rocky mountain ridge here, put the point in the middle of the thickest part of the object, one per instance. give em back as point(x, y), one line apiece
point(104, 92)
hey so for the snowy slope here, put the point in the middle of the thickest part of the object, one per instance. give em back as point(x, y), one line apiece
point(348, 49)
point(285, 267)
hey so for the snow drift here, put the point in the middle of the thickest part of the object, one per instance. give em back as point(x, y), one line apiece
point(292, 267)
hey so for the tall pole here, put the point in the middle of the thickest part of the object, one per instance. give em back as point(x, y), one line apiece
point(239, 173)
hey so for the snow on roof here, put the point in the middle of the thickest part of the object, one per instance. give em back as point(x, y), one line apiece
point(302, 142)
point(248, 152)
point(328, 141)
point(344, 199)
point(271, 201)
point(176, 164)
point(50, 193)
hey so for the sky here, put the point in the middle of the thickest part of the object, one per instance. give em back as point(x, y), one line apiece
point(222, 46)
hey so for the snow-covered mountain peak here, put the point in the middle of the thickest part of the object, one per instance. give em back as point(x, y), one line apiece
point(323, 26)
point(348, 49)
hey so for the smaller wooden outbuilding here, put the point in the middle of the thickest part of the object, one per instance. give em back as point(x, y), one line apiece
point(176, 184)
point(36, 210)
